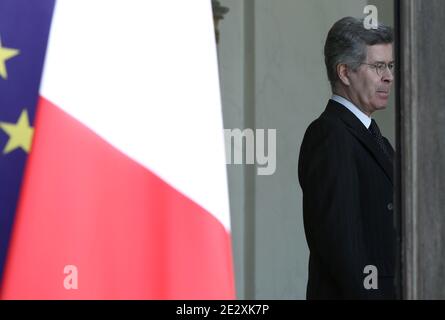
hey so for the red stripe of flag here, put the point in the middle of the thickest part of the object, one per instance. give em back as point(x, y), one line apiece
point(130, 234)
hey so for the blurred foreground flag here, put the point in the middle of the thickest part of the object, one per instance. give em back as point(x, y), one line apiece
point(125, 191)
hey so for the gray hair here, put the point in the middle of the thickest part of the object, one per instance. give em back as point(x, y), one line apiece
point(347, 41)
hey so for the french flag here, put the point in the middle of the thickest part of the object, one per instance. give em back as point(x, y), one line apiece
point(124, 193)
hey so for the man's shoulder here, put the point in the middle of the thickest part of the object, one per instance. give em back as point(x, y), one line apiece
point(326, 124)
point(326, 140)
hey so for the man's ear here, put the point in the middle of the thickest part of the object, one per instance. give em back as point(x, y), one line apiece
point(343, 74)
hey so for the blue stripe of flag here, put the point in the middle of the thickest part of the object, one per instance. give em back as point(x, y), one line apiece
point(24, 25)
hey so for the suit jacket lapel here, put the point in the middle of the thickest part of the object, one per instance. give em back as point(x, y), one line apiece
point(390, 148)
point(356, 127)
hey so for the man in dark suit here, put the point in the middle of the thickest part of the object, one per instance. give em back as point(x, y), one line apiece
point(346, 171)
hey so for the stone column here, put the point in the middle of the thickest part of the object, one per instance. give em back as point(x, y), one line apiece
point(421, 145)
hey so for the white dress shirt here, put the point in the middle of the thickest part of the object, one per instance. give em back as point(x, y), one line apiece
point(354, 109)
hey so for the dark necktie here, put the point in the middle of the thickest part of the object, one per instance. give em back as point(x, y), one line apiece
point(375, 131)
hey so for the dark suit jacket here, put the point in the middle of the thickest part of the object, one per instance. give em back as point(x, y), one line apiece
point(347, 187)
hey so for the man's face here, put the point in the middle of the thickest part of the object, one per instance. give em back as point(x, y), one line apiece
point(369, 90)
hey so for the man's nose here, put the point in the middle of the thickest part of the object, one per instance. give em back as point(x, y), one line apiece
point(388, 76)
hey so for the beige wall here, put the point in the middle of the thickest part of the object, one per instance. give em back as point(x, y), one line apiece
point(273, 76)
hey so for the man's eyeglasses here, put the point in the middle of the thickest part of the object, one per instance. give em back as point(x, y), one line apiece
point(380, 67)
